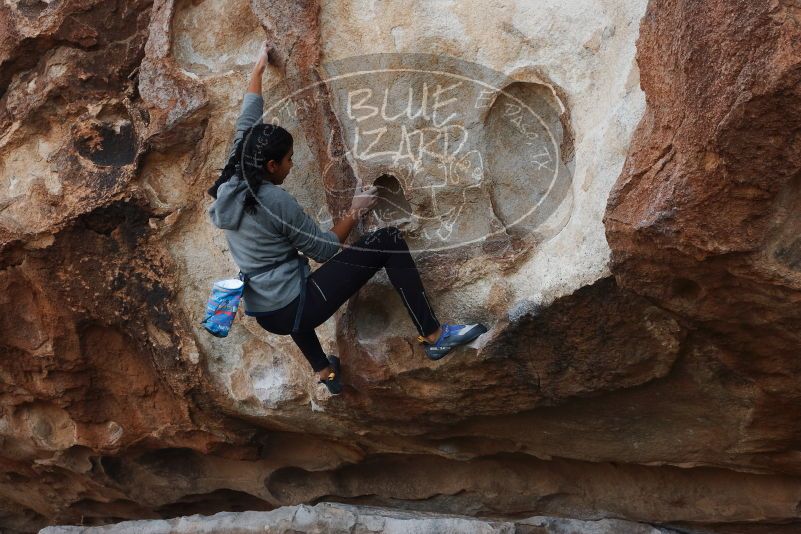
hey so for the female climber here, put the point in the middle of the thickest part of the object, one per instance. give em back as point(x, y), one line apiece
point(266, 228)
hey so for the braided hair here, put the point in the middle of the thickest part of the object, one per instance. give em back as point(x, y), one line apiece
point(259, 144)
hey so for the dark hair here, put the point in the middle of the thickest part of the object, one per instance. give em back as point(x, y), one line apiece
point(259, 144)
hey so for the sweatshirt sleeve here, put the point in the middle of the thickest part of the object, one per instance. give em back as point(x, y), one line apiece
point(304, 234)
point(250, 114)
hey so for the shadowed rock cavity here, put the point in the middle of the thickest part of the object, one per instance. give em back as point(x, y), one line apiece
point(392, 207)
point(109, 141)
point(547, 486)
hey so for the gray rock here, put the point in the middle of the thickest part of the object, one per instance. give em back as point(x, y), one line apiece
point(331, 518)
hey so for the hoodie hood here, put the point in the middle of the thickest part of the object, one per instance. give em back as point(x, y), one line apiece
point(226, 212)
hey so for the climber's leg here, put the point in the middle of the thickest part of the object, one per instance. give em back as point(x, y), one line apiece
point(306, 339)
point(309, 345)
point(340, 277)
point(282, 321)
point(402, 272)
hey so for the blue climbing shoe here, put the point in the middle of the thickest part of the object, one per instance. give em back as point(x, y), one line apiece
point(332, 382)
point(451, 337)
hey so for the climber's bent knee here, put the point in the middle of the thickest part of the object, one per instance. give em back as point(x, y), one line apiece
point(389, 237)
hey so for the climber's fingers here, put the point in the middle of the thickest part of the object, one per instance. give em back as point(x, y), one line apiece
point(267, 54)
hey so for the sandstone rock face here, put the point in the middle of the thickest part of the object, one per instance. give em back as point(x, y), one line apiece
point(705, 218)
point(634, 252)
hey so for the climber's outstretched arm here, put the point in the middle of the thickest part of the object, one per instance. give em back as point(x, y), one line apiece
point(254, 86)
point(253, 102)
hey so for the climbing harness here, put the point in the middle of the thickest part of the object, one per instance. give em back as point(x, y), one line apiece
point(225, 296)
point(302, 300)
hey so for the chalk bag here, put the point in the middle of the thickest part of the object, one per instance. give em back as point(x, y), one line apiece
point(222, 305)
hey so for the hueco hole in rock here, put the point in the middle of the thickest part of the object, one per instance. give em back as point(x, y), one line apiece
point(420, 266)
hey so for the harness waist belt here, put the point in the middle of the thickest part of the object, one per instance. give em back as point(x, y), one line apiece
point(245, 277)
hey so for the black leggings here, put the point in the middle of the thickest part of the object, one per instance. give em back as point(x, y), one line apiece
point(339, 278)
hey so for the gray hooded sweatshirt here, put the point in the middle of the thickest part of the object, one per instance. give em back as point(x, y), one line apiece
point(279, 227)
